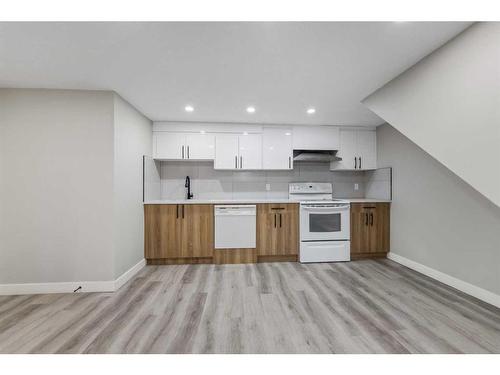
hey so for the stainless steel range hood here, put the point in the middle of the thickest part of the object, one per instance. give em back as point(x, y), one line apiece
point(320, 156)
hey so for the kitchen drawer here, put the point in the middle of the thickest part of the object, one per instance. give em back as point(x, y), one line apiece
point(268, 208)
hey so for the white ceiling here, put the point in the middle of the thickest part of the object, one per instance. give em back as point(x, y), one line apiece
point(221, 68)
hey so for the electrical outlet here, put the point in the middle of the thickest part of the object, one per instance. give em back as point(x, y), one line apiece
point(356, 186)
point(268, 187)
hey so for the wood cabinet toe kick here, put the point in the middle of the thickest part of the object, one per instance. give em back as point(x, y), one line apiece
point(235, 256)
point(184, 234)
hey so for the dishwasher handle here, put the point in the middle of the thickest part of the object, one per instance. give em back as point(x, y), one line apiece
point(236, 210)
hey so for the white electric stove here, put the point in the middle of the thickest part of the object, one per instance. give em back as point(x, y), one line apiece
point(324, 223)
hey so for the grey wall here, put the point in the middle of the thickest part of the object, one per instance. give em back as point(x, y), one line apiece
point(208, 183)
point(132, 140)
point(56, 185)
point(437, 219)
point(449, 104)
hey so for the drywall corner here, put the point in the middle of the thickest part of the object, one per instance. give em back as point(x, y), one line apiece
point(132, 140)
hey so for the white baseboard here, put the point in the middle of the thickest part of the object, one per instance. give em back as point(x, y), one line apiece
point(127, 275)
point(64, 287)
point(71, 286)
point(472, 290)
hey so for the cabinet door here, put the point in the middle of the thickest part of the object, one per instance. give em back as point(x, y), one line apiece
point(226, 151)
point(170, 146)
point(200, 146)
point(163, 231)
point(315, 138)
point(267, 235)
point(197, 230)
point(360, 235)
point(367, 149)
point(277, 149)
point(347, 151)
point(379, 222)
point(277, 229)
point(250, 155)
point(288, 231)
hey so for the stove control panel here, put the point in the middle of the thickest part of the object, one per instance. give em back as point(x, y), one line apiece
point(310, 188)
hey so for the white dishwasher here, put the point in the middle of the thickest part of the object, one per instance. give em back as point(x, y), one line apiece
point(235, 226)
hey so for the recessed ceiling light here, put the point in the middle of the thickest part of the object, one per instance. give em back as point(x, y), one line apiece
point(251, 109)
point(311, 111)
point(189, 108)
point(202, 132)
point(245, 133)
point(288, 133)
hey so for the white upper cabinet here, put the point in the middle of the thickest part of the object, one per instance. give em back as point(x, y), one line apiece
point(250, 151)
point(315, 138)
point(169, 146)
point(183, 146)
point(200, 146)
point(234, 151)
point(277, 152)
point(226, 151)
point(358, 150)
point(367, 149)
point(347, 151)
point(242, 147)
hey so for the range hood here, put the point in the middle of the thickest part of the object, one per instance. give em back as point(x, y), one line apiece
point(321, 156)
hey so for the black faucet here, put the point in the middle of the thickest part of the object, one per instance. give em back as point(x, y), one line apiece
point(188, 186)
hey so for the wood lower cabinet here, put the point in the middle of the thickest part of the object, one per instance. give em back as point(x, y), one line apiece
point(360, 236)
point(184, 233)
point(278, 231)
point(178, 231)
point(197, 230)
point(370, 228)
point(162, 231)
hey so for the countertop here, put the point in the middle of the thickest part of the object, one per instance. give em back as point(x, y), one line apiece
point(253, 201)
point(367, 200)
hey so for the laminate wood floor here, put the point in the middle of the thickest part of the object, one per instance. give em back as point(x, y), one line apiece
point(373, 306)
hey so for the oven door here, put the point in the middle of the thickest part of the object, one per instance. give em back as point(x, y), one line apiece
point(324, 222)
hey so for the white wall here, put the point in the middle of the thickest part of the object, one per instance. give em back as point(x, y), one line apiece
point(437, 219)
point(449, 104)
point(208, 183)
point(152, 179)
point(132, 140)
point(56, 185)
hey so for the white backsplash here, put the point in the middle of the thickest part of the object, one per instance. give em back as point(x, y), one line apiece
point(378, 183)
point(207, 183)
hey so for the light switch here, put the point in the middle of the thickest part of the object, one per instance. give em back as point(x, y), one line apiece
point(268, 187)
point(356, 186)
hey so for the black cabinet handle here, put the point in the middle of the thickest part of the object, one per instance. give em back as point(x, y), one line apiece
point(371, 219)
point(188, 151)
point(183, 152)
point(366, 218)
point(241, 162)
point(360, 162)
point(183, 211)
point(289, 162)
point(355, 163)
point(280, 220)
point(177, 211)
point(275, 220)
point(236, 162)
